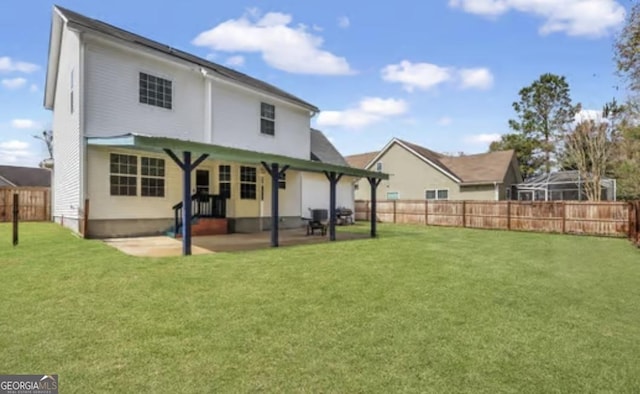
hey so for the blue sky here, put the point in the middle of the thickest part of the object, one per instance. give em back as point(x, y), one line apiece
point(440, 73)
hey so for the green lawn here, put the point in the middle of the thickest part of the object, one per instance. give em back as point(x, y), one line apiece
point(417, 310)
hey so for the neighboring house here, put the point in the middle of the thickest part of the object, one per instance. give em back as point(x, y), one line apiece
point(13, 176)
point(417, 173)
point(121, 102)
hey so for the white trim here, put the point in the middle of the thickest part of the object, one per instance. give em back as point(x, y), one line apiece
point(7, 181)
point(418, 155)
point(208, 111)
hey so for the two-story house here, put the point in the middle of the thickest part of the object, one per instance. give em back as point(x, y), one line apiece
point(127, 110)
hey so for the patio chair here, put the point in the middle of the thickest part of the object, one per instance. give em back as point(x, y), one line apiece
point(317, 221)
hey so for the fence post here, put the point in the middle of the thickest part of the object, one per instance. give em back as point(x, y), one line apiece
point(564, 217)
point(509, 215)
point(426, 212)
point(464, 213)
point(85, 218)
point(394, 211)
point(366, 210)
point(16, 214)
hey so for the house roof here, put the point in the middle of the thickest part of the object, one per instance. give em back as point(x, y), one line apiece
point(82, 22)
point(469, 169)
point(322, 150)
point(361, 160)
point(162, 144)
point(24, 176)
point(485, 167)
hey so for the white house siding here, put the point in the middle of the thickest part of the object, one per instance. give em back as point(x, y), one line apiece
point(67, 183)
point(236, 123)
point(315, 192)
point(112, 97)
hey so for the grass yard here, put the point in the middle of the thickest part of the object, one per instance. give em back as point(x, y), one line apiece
point(417, 310)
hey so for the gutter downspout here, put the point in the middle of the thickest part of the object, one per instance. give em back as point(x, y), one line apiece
point(208, 107)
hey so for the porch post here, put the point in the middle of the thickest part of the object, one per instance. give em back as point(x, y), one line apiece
point(333, 181)
point(186, 166)
point(186, 203)
point(275, 172)
point(373, 182)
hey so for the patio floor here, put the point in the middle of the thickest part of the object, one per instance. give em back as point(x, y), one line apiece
point(254, 241)
point(162, 246)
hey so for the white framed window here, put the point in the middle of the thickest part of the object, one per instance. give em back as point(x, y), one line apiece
point(267, 119)
point(224, 180)
point(393, 196)
point(436, 194)
point(379, 166)
point(123, 177)
point(152, 177)
point(155, 91)
point(248, 180)
point(282, 182)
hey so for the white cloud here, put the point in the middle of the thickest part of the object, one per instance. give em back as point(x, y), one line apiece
point(344, 22)
point(425, 76)
point(24, 124)
point(14, 83)
point(15, 152)
point(589, 114)
point(412, 76)
point(445, 121)
point(476, 78)
point(33, 88)
point(287, 48)
point(574, 17)
point(235, 61)
point(368, 111)
point(9, 65)
point(482, 138)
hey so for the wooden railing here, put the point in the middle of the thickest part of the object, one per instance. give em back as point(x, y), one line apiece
point(202, 205)
point(614, 219)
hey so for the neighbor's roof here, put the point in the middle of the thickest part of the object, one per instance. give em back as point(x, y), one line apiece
point(469, 169)
point(485, 167)
point(361, 160)
point(24, 176)
point(85, 23)
point(322, 150)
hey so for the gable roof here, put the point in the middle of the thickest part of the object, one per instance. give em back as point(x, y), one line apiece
point(361, 160)
point(24, 176)
point(469, 169)
point(481, 168)
point(82, 22)
point(322, 150)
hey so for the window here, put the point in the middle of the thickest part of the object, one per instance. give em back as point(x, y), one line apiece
point(224, 180)
point(124, 175)
point(267, 119)
point(393, 195)
point(155, 91)
point(379, 166)
point(247, 183)
point(437, 194)
point(152, 179)
point(282, 183)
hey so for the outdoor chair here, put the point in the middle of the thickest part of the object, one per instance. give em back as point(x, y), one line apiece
point(317, 221)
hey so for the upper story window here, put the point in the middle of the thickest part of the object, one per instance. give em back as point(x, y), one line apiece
point(379, 166)
point(267, 119)
point(155, 91)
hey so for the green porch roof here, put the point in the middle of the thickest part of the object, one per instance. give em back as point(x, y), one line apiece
point(158, 144)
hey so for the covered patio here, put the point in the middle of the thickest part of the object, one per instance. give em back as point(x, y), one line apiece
point(189, 155)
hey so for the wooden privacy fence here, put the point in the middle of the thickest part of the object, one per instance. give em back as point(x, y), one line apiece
point(613, 219)
point(34, 203)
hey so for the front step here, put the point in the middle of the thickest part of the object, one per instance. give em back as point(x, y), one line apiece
point(206, 226)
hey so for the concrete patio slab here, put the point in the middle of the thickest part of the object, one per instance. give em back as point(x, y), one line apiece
point(160, 246)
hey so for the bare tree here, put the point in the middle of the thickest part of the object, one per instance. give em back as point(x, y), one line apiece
point(590, 147)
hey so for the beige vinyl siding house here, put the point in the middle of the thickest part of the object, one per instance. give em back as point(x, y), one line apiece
point(417, 173)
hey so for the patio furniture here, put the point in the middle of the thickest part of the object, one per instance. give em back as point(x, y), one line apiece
point(344, 216)
point(317, 221)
